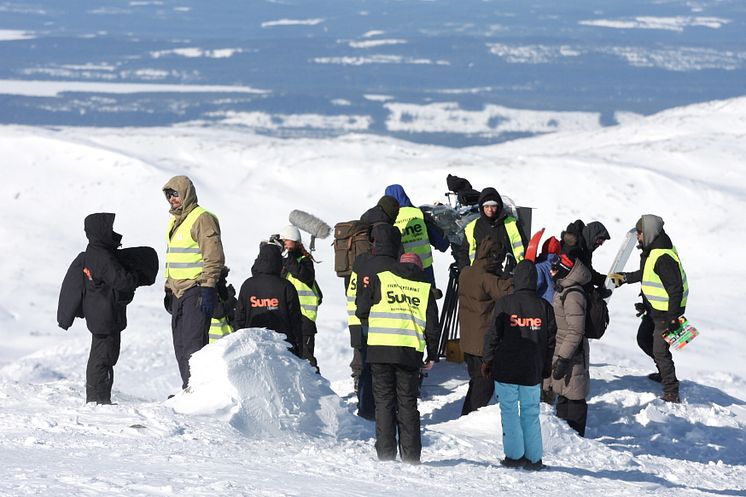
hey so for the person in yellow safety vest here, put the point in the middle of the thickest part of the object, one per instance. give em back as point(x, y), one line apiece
point(225, 310)
point(298, 269)
point(402, 323)
point(492, 222)
point(418, 231)
point(665, 291)
point(194, 260)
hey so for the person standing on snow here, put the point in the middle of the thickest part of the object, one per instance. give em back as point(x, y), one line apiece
point(194, 261)
point(402, 318)
point(384, 256)
point(571, 380)
point(583, 239)
point(480, 286)
point(267, 300)
point(495, 223)
point(418, 231)
point(518, 350)
point(665, 291)
point(298, 269)
point(98, 287)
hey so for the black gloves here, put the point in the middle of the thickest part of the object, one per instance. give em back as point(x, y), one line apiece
point(208, 301)
point(673, 325)
point(640, 308)
point(167, 300)
point(486, 371)
point(560, 368)
point(604, 292)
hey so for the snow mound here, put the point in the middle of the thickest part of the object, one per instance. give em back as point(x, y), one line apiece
point(252, 381)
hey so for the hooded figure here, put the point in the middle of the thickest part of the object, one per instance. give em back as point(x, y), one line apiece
point(267, 300)
point(480, 286)
point(571, 379)
point(665, 292)
point(582, 240)
point(98, 287)
point(518, 350)
point(419, 231)
point(493, 222)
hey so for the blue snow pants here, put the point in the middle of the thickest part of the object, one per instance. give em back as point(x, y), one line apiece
point(519, 408)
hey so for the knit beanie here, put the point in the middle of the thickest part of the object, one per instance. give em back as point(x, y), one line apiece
point(390, 206)
point(411, 258)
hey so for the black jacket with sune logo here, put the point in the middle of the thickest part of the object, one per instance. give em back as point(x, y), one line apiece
point(267, 300)
point(520, 343)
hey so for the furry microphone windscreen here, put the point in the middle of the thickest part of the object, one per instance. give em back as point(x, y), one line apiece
point(310, 224)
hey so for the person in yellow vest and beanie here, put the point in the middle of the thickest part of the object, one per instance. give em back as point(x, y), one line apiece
point(298, 269)
point(418, 231)
point(402, 325)
point(665, 291)
point(194, 261)
point(495, 223)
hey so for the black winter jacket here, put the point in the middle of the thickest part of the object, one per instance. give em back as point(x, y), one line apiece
point(520, 343)
point(267, 300)
point(668, 271)
point(492, 227)
point(107, 286)
point(580, 239)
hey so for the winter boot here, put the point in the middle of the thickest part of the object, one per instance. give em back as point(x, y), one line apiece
point(656, 377)
point(533, 466)
point(672, 397)
point(514, 463)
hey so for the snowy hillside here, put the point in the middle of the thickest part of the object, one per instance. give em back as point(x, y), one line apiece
point(231, 437)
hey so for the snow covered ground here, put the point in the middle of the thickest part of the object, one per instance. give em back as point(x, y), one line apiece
point(260, 423)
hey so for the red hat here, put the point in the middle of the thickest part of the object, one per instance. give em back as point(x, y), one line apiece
point(563, 266)
point(411, 258)
point(551, 246)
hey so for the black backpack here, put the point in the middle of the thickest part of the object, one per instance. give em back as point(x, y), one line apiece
point(596, 312)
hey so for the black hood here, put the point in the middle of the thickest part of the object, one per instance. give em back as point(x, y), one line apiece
point(99, 229)
point(524, 276)
point(376, 215)
point(490, 193)
point(594, 231)
point(386, 240)
point(269, 260)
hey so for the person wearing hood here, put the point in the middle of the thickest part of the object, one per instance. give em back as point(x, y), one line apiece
point(385, 211)
point(267, 300)
point(194, 262)
point(495, 223)
point(584, 239)
point(571, 379)
point(518, 350)
point(665, 291)
point(401, 320)
point(99, 287)
point(383, 256)
point(298, 269)
point(419, 231)
point(480, 286)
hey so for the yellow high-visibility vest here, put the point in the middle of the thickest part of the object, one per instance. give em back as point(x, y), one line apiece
point(400, 318)
point(652, 286)
point(183, 256)
point(218, 329)
point(309, 297)
point(414, 238)
point(514, 235)
point(352, 319)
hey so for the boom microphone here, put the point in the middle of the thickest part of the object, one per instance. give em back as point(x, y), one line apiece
point(310, 224)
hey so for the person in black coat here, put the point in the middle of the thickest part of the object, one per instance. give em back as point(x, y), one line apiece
point(395, 351)
point(99, 287)
point(518, 350)
point(267, 300)
point(384, 255)
point(582, 240)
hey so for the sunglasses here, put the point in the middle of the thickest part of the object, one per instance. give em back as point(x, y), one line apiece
point(171, 193)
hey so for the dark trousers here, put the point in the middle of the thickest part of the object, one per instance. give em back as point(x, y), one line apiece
point(395, 389)
point(650, 340)
point(575, 412)
point(190, 327)
point(308, 345)
point(99, 374)
point(480, 390)
point(366, 404)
